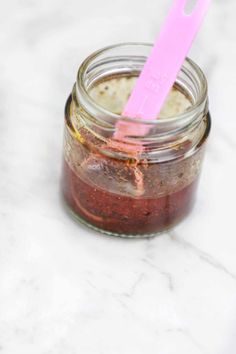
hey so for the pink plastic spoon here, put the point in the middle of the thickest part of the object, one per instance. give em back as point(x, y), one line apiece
point(162, 67)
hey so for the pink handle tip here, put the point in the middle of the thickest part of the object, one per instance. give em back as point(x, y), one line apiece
point(164, 63)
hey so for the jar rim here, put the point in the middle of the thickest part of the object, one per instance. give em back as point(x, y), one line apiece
point(84, 95)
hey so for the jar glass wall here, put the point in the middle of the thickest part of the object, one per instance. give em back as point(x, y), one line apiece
point(143, 183)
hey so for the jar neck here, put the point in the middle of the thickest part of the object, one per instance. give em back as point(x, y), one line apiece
point(163, 135)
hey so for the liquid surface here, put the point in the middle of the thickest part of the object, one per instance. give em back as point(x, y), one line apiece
point(114, 93)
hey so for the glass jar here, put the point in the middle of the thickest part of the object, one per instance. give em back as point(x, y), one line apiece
point(140, 185)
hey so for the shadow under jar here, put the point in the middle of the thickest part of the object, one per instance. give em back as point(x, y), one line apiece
point(141, 185)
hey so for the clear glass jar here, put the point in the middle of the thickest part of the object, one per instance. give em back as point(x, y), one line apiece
point(142, 185)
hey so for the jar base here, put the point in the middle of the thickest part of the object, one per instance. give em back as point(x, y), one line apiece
point(82, 221)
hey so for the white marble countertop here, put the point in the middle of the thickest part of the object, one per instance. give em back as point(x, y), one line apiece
point(63, 288)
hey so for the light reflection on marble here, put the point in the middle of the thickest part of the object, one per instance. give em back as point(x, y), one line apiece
point(63, 288)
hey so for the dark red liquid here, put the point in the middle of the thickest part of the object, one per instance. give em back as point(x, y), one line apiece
point(122, 214)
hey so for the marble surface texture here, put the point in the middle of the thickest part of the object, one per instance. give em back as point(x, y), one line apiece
point(63, 288)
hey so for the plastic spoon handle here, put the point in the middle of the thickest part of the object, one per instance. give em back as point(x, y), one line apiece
point(165, 61)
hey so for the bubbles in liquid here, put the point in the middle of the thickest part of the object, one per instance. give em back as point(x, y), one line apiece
point(114, 93)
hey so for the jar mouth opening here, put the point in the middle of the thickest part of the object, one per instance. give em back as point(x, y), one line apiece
point(91, 105)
